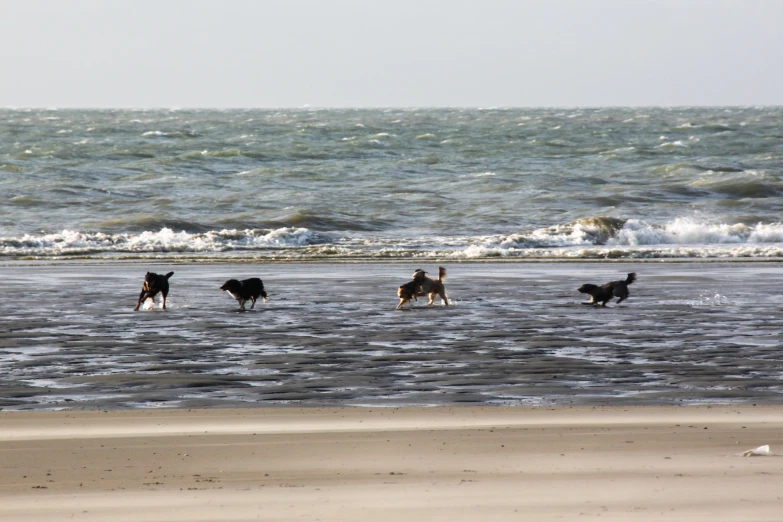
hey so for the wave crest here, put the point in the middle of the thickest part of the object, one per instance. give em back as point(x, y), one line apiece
point(69, 242)
point(589, 238)
point(603, 237)
point(684, 231)
point(588, 231)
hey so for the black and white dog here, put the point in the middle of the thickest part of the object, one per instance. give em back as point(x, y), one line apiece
point(245, 290)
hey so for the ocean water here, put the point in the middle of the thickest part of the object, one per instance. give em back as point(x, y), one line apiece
point(452, 184)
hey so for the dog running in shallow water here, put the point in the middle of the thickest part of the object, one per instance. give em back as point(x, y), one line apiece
point(245, 290)
point(154, 284)
point(604, 293)
point(422, 285)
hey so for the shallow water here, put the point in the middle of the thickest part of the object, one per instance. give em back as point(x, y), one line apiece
point(515, 334)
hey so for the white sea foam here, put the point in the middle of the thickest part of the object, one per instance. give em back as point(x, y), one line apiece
point(683, 231)
point(70, 242)
point(710, 299)
point(677, 143)
point(592, 238)
point(680, 238)
point(621, 150)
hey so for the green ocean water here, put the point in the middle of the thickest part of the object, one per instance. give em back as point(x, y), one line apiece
point(619, 183)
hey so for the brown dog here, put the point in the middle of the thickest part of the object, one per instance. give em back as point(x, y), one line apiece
point(431, 287)
point(604, 293)
point(154, 283)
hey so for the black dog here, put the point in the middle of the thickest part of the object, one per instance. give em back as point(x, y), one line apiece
point(604, 293)
point(248, 289)
point(154, 283)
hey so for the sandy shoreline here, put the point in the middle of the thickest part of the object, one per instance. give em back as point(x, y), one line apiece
point(335, 464)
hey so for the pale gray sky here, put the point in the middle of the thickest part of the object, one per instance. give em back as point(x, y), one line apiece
point(390, 53)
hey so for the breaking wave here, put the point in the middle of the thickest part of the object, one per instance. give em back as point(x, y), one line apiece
point(590, 238)
point(604, 237)
point(74, 243)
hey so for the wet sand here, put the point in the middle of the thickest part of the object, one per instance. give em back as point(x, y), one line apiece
point(515, 334)
point(387, 464)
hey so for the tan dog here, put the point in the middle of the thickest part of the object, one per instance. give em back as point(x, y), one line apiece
point(431, 287)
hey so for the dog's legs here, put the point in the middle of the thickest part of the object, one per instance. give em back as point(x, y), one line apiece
point(242, 304)
point(253, 303)
point(444, 299)
point(402, 302)
point(620, 300)
point(164, 301)
point(141, 300)
point(141, 303)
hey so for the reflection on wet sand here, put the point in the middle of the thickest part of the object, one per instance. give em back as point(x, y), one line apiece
point(515, 335)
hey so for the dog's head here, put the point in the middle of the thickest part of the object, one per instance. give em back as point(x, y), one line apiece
point(587, 289)
point(149, 280)
point(230, 285)
point(419, 274)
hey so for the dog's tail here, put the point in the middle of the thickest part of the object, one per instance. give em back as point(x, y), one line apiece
point(631, 278)
point(169, 274)
point(441, 274)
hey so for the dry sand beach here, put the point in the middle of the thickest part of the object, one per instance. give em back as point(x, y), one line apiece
point(388, 464)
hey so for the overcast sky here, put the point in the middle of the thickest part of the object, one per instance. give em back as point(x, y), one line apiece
point(390, 53)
